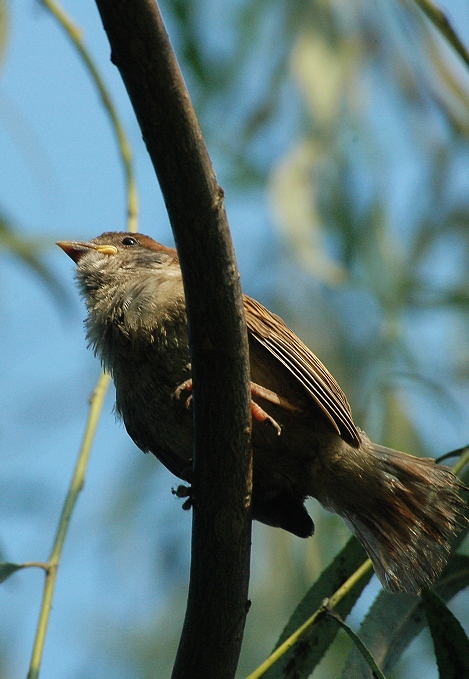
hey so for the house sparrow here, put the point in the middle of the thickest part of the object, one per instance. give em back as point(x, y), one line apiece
point(403, 509)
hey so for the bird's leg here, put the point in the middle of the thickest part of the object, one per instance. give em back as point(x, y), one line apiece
point(258, 413)
point(272, 397)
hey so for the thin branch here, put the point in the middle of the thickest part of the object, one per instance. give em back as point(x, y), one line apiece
point(74, 33)
point(217, 601)
point(36, 564)
point(76, 484)
point(99, 393)
point(443, 26)
point(463, 459)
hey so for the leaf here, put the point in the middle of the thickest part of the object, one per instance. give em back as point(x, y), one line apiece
point(297, 213)
point(7, 569)
point(304, 656)
point(449, 639)
point(368, 658)
point(3, 29)
point(395, 620)
point(28, 250)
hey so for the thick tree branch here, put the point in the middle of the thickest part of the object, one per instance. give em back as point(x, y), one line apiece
point(217, 601)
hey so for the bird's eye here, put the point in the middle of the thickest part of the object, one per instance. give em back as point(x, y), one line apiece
point(129, 240)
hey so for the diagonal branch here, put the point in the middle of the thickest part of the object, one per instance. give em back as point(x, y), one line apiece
point(217, 602)
point(442, 24)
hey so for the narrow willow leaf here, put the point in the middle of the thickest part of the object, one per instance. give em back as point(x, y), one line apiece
point(3, 29)
point(28, 251)
point(304, 656)
point(395, 620)
point(7, 569)
point(365, 653)
point(449, 639)
point(297, 212)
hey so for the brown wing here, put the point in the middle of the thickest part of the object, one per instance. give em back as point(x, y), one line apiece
point(270, 331)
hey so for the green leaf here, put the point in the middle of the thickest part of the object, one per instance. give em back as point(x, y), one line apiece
point(28, 251)
point(368, 658)
point(303, 657)
point(395, 620)
point(7, 569)
point(3, 29)
point(449, 639)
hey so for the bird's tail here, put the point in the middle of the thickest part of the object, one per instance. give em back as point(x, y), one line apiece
point(403, 509)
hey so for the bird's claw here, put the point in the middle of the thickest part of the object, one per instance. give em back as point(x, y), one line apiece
point(258, 413)
point(184, 492)
point(261, 416)
point(185, 386)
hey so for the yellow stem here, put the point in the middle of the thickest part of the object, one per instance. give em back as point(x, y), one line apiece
point(462, 462)
point(76, 484)
point(125, 151)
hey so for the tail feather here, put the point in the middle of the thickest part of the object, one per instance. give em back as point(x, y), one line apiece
point(404, 510)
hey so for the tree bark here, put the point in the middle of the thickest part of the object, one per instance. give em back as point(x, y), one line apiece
point(217, 601)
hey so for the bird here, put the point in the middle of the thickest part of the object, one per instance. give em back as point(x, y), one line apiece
point(403, 509)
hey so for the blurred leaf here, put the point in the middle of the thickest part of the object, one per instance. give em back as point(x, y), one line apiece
point(425, 298)
point(324, 72)
point(449, 87)
point(297, 213)
point(3, 29)
point(304, 656)
point(28, 251)
point(185, 12)
point(7, 569)
point(449, 639)
point(395, 620)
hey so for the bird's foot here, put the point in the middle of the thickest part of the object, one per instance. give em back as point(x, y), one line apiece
point(184, 492)
point(258, 413)
point(272, 397)
point(185, 386)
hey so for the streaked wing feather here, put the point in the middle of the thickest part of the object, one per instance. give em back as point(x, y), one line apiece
point(270, 331)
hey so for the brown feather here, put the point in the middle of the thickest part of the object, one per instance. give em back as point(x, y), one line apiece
point(270, 331)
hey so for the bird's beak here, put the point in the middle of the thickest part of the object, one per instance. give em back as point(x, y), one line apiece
point(76, 249)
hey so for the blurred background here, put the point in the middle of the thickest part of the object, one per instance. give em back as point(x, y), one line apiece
point(339, 132)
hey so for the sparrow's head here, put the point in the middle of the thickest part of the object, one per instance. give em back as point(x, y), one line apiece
point(119, 250)
point(127, 278)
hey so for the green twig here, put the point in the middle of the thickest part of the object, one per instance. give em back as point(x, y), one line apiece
point(327, 605)
point(463, 460)
point(443, 26)
point(97, 398)
point(452, 453)
point(125, 151)
point(36, 564)
point(76, 484)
